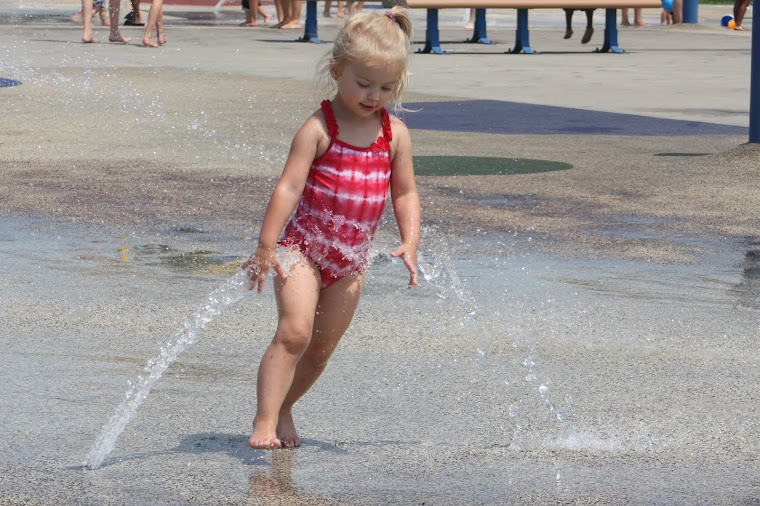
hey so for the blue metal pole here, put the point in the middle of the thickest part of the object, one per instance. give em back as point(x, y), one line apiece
point(310, 24)
point(754, 83)
point(690, 11)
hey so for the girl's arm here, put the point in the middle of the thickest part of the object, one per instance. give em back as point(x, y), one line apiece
point(287, 193)
point(406, 201)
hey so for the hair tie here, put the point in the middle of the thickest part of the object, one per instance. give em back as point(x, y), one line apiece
point(390, 16)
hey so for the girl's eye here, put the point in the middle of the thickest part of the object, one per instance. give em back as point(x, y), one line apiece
point(362, 85)
point(385, 88)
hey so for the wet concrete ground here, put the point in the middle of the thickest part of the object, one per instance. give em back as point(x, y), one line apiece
point(615, 302)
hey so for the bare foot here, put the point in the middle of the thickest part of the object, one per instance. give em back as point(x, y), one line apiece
point(89, 39)
point(147, 42)
point(341, 14)
point(625, 23)
point(293, 25)
point(568, 33)
point(119, 38)
point(286, 431)
point(263, 439)
point(248, 24)
point(162, 39)
point(266, 19)
point(76, 18)
point(587, 35)
point(639, 25)
point(278, 25)
point(327, 14)
point(469, 26)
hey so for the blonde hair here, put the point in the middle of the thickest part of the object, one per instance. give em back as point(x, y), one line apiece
point(372, 39)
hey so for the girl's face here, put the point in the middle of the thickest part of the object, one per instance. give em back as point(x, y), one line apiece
point(365, 90)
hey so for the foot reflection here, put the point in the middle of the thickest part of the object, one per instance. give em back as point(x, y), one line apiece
point(748, 291)
point(277, 482)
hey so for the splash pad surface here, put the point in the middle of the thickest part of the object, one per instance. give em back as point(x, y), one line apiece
point(615, 303)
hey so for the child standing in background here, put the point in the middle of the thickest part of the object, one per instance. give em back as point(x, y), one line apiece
point(155, 20)
point(341, 164)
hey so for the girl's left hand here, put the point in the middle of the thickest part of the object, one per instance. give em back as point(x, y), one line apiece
point(408, 254)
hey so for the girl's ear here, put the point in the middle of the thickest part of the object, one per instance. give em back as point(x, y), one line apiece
point(335, 69)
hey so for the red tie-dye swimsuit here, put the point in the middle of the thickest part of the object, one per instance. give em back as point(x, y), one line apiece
point(342, 203)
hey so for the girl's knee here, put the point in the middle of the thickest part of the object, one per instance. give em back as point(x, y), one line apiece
point(294, 338)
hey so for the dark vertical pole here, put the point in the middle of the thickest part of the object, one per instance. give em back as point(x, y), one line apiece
point(754, 83)
point(310, 25)
point(690, 11)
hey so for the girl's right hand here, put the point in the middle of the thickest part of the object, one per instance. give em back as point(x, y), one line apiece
point(258, 264)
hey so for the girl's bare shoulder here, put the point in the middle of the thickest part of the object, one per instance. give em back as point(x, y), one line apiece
point(398, 129)
point(315, 130)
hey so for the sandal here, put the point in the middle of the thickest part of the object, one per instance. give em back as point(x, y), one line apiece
point(129, 20)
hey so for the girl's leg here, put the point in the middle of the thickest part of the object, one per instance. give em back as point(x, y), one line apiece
point(103, 16)
point(153, 15)
point(625, 21)
point(297, 297)
point(334, 313)
point(87, 36)
point(136, 16)
point(638, 19)
point(740, 8)
point(471, 21)
point(160, 35)
point(589, 26)
point(264, 14)
point(568, 23)
point(293, 14)
point(113, 10)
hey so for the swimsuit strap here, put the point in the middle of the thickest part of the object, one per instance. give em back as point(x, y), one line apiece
point(332, 123)
point(387, 132)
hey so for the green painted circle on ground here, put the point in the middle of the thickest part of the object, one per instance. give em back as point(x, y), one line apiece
point(482, 166)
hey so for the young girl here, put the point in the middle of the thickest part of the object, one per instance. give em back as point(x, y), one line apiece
point(341, 163)
point(155, 20)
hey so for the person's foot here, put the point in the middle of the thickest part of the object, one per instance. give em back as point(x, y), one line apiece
point(278, 25)
point(77, 18)
point(249, 24)
point(568, 33)
point(469, 26)
point(292, 25)
point(266, 20)
point(625, 22)
point(286, 431)
point(162, 38)
point(104, 19)
point(740, 28)
point(263, 438)
point(587, 35)
point(639, 25)
point(89, 39)
point(148, 42)
point(119, 38)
